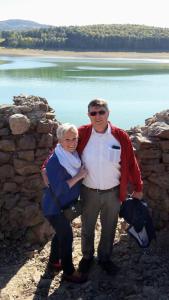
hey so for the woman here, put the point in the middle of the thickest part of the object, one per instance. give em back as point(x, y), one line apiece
point(64, 172)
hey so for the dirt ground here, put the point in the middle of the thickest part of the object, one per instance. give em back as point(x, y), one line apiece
point(144, 274)
point(35, 52)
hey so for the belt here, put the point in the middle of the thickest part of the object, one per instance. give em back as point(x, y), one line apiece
point(101, 191)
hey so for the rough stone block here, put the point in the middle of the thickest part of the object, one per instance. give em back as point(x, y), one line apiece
point(4, 132)
point(166, 158)
point(10, 187)
point(24, 168)
point(149, 153)
point(4, 157)
point(44, 126)
point(46, 141)
point(159, 129)
point(19, 123)
point(164, 145)
point(7, 145)
point(6, 171)
point(26, 142)
point(26, 155)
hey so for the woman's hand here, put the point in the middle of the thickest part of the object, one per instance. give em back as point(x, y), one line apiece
point(82, 173)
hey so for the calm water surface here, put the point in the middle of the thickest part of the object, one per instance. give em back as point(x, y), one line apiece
point(134, 89)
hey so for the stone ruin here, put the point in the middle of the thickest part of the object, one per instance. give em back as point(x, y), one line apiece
point(151, 143)
point(28, 133)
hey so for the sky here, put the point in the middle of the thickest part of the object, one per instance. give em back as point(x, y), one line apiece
point(87, 12)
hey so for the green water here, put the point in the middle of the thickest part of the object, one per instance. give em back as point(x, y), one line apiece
point(134, 89)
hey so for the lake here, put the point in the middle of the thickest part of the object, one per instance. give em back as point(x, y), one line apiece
point(134, 88)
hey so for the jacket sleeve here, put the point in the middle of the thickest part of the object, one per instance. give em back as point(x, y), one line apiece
point(84, 135)
point(134, 170)
point(46, 160)
point(56, 178)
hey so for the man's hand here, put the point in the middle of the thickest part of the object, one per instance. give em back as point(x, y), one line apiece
point(137, 195)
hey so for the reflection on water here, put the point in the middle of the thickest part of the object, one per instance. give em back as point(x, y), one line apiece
point(20, 68)
point(102, 68)
point(135, 89)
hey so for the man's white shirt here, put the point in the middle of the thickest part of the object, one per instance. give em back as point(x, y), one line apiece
point(102, 160)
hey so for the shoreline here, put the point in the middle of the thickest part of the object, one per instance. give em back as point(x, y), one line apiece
point(80, 54)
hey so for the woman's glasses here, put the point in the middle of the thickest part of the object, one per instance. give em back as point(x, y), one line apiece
point(94, 113)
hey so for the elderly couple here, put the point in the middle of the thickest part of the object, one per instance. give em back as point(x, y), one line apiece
point(101, 177)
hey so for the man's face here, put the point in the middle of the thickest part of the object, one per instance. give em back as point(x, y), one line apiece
point(99, 117)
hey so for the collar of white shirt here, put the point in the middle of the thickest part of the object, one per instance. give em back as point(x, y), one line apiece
point(108, 131)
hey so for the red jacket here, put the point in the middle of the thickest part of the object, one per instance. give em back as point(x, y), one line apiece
point(130, 172)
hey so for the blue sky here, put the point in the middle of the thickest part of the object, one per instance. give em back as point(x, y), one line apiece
point(84, 12)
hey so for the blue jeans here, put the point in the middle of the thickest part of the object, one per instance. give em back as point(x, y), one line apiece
point(61, 245)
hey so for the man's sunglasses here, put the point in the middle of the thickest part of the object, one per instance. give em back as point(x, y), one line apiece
point(94, 113)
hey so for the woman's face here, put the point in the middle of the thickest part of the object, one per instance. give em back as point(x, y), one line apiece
point(69, 141)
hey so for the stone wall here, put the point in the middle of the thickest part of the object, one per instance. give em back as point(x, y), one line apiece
point(27, 133)
point(152, 148)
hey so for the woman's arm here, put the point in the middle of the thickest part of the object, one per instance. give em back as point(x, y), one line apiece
point(82, 173)
point(56, 177)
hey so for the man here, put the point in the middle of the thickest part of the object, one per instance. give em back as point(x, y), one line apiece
point(106, 152)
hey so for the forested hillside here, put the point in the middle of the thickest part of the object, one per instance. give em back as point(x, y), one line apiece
point(90, 38)
point(18, 24)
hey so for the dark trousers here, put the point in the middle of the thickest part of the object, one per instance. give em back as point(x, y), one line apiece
point(61, 245)
point(107, 205)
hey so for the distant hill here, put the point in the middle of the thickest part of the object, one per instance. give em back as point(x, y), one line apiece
point(17, 24)
point(113, 37)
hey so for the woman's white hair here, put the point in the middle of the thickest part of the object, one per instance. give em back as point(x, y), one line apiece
point(63, 128)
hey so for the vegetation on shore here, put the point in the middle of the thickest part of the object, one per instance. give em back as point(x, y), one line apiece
point(90, 38)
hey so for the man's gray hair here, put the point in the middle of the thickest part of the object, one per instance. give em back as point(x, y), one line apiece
point(63, 128)
point(98, 103)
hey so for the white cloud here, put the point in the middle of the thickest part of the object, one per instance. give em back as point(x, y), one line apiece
point(77, 12)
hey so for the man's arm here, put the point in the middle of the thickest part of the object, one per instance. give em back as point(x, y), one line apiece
point(45, 177)
point(43, 170)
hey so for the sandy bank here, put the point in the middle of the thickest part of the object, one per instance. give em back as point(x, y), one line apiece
point(32, 52)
